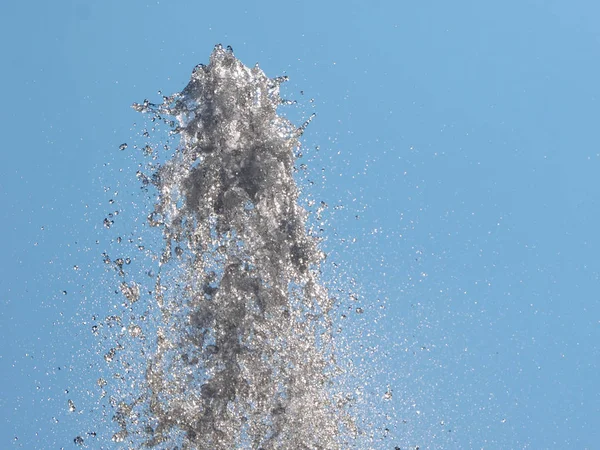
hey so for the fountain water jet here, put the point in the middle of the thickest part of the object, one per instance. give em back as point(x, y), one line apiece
point(244, 354)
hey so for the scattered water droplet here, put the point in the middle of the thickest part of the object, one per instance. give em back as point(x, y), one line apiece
point(120, 436)
point(388, 395)
point(135, 330)
point(130, 291)
point(110, 355)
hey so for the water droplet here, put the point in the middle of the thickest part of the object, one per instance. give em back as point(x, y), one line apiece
point(122, 146)
point(110, 355)
point(198, 69)
point(388, 395)
point(71, 406)
point(120, 436)
point(78, 440)
point(135, 330)
point(130, 291)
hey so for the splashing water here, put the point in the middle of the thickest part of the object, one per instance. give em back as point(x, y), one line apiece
point(244, 353)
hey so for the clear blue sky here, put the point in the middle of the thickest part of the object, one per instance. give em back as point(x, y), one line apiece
point(462, 134)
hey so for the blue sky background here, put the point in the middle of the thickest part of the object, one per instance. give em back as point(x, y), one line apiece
point(462, 134)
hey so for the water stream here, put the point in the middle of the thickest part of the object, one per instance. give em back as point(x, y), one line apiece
point(242, 353)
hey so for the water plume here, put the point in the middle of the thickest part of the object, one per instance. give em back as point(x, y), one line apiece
point(244, 351)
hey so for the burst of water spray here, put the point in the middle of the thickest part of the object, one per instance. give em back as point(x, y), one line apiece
point(244, 351)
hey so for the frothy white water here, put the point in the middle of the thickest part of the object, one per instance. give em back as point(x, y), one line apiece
point(244, 352)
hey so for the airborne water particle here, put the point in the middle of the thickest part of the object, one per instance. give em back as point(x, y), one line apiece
point(388, 395)
point(108, 357)
point(130, 291)
point(120, 436)
point(122, 146)
point(135, 330)
point(71, 406)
